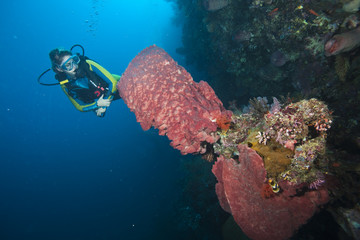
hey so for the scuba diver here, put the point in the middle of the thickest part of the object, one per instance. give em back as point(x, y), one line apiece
point(89, 86)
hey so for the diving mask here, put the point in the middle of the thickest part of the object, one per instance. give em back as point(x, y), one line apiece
point(71, 63)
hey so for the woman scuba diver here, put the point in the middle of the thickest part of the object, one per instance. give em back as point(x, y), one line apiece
point(89, 86)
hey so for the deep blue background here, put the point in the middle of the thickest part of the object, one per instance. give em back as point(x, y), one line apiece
point(71, 175)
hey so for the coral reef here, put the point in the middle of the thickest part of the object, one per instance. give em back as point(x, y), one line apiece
point(237, 47)
point(276, 156)
point(291, 139)
point(231, 48)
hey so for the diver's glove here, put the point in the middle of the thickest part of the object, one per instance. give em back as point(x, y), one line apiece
point(100, 112)
point(101, 102)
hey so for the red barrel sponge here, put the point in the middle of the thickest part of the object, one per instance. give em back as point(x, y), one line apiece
point(163, 95)
point(240, 192)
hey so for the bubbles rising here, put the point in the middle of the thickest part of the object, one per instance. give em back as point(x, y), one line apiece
point(94, 16)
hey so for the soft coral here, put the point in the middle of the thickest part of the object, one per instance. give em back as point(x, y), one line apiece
point(223, 122)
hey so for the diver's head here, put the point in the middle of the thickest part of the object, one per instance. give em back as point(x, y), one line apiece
point(64, 61)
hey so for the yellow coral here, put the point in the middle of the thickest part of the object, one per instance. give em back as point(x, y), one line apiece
point(276, 157)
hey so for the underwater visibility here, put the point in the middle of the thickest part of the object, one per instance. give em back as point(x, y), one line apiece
point(259, 101)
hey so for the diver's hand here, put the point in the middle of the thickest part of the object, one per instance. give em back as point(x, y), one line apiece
point(100, 111)
point(101, 102)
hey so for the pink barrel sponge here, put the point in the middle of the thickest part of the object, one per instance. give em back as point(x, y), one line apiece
point(163, 95)
point(239, 192)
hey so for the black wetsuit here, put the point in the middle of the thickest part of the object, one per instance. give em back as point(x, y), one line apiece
point(88, 86)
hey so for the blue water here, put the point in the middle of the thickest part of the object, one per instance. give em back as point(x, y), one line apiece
point(65, 174)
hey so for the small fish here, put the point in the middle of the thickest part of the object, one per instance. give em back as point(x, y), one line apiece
point(273, 11)
point(313, 12)
point(336, 164)
point(274, 186)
